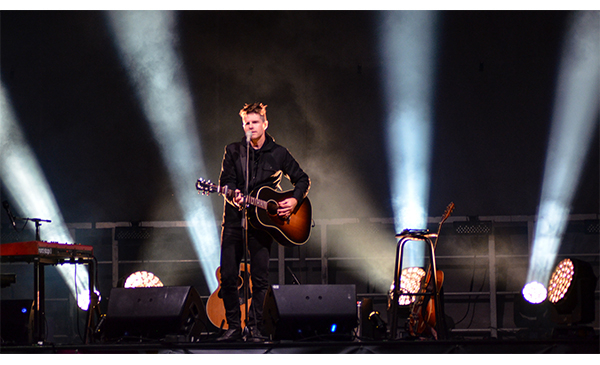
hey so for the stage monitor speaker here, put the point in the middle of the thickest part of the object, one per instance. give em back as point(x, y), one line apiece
point(293, 312)
point(174, 313)
point(16, 321)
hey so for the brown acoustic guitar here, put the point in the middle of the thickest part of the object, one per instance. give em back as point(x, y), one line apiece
point(422, 317)
point(291, 232)
point(215, 308)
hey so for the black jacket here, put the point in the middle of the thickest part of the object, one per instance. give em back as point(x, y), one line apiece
point(267, 167)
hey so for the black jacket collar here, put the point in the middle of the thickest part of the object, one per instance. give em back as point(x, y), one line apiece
point(267, 146)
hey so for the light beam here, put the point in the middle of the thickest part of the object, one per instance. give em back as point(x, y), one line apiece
point(147, 43)
point(408, 51)
point(25, 181)
point(574, 121)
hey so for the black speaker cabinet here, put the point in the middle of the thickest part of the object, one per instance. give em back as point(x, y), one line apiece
point(16, 321)
point(173, 312)
point(294, 312)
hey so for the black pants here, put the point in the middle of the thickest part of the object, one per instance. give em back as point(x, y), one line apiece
point(232, 254)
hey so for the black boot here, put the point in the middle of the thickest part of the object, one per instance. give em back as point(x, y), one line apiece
point(255, 335)
point(232, 334)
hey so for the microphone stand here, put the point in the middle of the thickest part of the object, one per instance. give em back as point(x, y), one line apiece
point(246, 284)
point(296, 281)
point(13, 219)
point(38, 223)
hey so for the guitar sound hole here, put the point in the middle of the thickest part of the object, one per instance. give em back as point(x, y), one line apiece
point(272, 207)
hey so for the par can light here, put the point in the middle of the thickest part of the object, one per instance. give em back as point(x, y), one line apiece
point(571, 292)
point(142, 279)
point(410, 282)
point(561, 280)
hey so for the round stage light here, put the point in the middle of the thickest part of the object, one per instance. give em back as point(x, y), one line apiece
point(571, 292)
point(410, 282)
point(561, 280)
point(534, 292)
point(142, 279)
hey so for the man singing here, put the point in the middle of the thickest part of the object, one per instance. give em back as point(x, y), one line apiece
point(268, 162)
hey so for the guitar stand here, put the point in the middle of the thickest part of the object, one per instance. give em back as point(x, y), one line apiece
point(405, 237)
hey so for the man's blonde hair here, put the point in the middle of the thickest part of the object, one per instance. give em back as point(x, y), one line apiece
point(257, 108)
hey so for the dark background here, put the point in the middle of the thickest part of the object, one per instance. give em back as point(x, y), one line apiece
point(320, 74)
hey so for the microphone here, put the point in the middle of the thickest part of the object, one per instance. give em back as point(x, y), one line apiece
point(10, 215)
point(248, 136)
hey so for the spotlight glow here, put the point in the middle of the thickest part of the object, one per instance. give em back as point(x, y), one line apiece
point(408, 51)
point(26, 183)
point(147, 45)
point(573, 124)
point(83, 299)
point(534, 292)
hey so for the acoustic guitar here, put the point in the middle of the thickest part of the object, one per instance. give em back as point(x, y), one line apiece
point(215, 308)
point(422, 315)
point(291, 232)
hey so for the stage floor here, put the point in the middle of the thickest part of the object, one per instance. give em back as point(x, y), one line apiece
point(491, 346)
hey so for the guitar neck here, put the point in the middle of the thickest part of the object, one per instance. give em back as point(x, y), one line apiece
point(250, 199)
point(445, 216)
point(257, 202)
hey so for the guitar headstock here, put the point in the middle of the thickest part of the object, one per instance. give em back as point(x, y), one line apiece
point(206, 187)
point(447, 212)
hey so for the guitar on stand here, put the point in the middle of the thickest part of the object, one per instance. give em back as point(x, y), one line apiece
point(215, 309)
point(422, 319)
